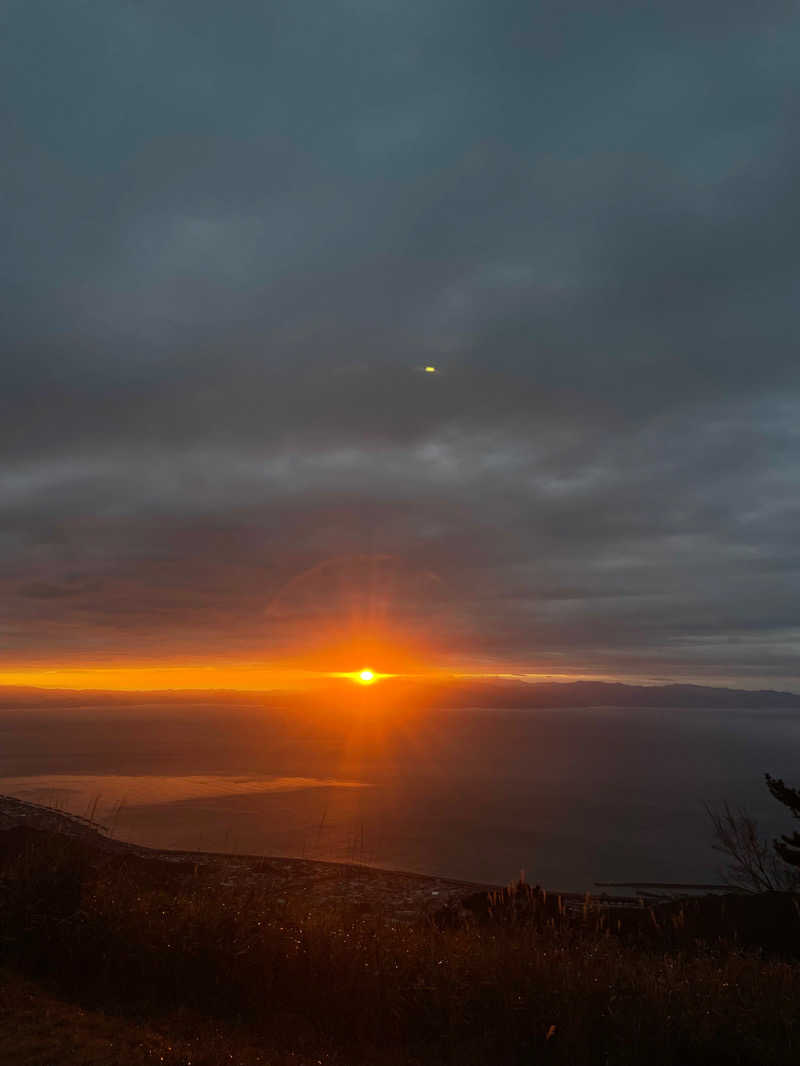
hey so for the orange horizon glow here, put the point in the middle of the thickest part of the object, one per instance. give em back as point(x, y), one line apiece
point(244, 676)
point(325, 657)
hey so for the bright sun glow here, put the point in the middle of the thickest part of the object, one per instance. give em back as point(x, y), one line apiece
point(366, 677)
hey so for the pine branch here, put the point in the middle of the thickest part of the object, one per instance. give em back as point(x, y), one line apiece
point(789, 797)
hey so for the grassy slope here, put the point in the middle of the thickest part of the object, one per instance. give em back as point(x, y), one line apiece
point(40, 1028)
point(348, 988)
point(37, 1028)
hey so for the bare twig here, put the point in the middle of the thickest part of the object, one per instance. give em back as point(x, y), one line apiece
point(752, 865)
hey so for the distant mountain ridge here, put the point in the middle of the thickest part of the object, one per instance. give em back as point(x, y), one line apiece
point(618, 694)
point(448, 693)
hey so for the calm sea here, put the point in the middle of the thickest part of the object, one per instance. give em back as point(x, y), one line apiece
point(569, 796)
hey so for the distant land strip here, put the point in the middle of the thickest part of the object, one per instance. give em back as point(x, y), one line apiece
point(498, 694)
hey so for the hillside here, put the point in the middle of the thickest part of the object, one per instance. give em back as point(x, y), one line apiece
point(118, 956)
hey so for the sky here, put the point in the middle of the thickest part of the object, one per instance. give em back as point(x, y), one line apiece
point(232, 237)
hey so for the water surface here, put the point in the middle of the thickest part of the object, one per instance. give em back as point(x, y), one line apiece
point(569, 796)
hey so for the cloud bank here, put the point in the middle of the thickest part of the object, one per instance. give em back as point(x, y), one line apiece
point(230, 244)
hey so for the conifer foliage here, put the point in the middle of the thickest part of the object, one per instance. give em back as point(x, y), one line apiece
point(788, 847)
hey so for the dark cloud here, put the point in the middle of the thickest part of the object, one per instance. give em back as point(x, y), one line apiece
point(45, 590)
point(231, 242)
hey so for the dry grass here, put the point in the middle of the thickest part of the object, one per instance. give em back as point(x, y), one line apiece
point(348, 988)
point(39, 1028)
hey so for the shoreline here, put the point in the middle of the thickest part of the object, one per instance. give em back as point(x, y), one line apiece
point(406, 894)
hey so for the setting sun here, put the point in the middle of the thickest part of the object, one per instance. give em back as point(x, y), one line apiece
point(366, 677)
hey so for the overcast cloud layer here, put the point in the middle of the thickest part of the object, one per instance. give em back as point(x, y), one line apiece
point(233, 236)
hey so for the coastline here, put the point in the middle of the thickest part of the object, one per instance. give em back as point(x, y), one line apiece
point(401, 895)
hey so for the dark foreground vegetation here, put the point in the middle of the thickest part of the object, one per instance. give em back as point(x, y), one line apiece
point(226, 976)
